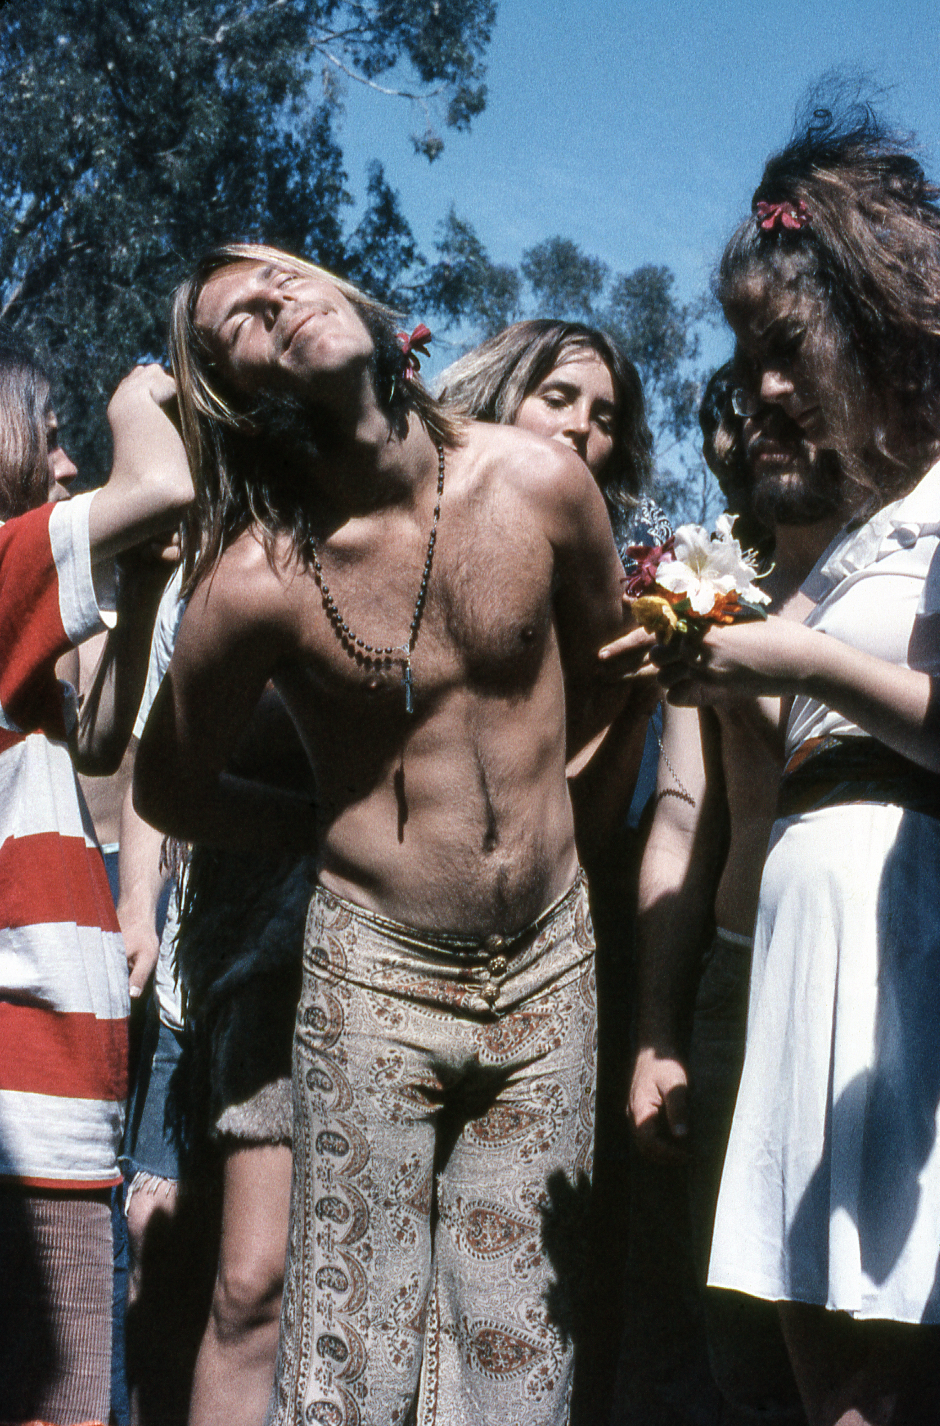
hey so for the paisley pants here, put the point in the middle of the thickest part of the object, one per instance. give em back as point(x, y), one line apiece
point(443, 1132)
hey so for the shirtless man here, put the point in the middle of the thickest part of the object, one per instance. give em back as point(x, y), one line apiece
point(432, 623)
point(702, 868)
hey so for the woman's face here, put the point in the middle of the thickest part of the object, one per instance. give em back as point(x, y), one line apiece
point(777, 356)
point(576, 404)
point(62, 471)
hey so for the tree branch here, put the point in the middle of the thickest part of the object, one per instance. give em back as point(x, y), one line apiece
point(12, 300)
point(421, 99)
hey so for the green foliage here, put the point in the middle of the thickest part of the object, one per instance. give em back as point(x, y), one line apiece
point(463, 284)
point(382, 249)
point(136, 133)
point(564, 282)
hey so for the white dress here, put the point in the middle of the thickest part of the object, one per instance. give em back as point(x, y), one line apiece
point(831, 1187)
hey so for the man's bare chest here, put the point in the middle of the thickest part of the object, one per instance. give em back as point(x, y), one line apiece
point(479, 612)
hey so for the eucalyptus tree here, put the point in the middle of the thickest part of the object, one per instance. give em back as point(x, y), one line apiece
point(135, 133)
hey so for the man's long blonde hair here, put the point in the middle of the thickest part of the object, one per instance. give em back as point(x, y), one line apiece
point(240, 476)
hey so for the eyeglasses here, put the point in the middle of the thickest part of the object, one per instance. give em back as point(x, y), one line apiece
point(745, 402)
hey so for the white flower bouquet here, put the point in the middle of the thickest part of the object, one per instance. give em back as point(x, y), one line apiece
point(693, 580)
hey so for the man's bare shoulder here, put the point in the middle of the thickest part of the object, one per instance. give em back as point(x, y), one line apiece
point(248, 587)
point(541, 472)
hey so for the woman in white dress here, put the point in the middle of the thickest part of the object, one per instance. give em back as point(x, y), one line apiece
point(830, 1200)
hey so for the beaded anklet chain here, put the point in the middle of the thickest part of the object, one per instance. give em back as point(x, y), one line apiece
point(390, 653)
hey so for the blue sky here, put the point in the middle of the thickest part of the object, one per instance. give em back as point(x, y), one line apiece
point(639, 130)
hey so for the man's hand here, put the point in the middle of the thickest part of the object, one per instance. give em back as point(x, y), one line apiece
point(628, 656)
point(658, 1106)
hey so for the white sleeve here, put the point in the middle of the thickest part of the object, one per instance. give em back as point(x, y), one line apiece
point(165, 629)
point(83, 606)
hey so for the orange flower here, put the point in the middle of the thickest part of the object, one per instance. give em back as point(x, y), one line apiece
point(726, 608)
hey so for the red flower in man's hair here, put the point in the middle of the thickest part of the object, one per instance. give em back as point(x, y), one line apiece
point(645, 561)
point(418, 341)
point(769, 215)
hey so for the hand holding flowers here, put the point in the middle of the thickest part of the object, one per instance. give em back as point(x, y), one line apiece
point(695, 586)
point(771, 658)
point(692, 581)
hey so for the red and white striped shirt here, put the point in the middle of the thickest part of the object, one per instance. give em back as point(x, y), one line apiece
point(63, 974)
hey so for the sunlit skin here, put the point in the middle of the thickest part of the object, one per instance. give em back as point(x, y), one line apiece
point(451, 812)
point(274, 328)
point(62, 470)
point(577, 405)
point(455, 816)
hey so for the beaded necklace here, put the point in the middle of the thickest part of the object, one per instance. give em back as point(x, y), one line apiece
point(391, 653)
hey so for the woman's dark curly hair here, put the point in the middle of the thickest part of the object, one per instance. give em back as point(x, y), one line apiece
point(867, 253)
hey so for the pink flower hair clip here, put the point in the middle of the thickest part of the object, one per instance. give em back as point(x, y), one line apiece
point(784, 215)
point(417, 342)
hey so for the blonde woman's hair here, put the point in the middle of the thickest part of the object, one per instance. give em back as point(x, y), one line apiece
point(491, 382)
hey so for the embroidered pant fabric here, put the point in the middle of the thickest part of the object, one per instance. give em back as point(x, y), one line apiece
point(443, 1128)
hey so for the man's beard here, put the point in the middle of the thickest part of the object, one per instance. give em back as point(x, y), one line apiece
point(801, 497)
point(284, 425)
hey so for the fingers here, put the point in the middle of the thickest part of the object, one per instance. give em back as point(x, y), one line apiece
point(159, 383)
point(140, 965)
point(145, 382)
point(684, 672)
point(141, 947)
point(629, 652)
point(163, 549)
point(658, 1109)
point(166, 548)
point(655, 1142)
point(676, 1109)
